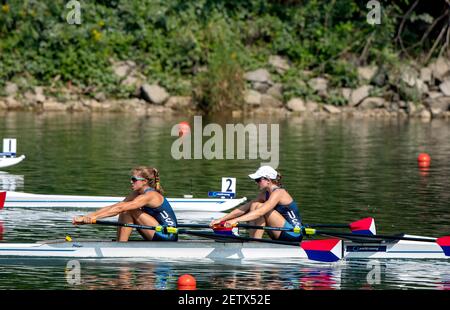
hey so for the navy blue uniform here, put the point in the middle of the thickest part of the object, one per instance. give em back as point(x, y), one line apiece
point(165, 216)
point(292, 217)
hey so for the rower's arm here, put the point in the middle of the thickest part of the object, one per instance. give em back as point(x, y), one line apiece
point(242, 209)
point(266, 207)
point(236, 212)
point(120, 207)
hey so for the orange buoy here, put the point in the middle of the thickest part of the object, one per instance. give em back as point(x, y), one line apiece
point(424, 160)
point(183, 128)
point(187, 282)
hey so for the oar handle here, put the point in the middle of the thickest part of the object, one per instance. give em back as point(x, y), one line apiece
point(296, 229)
point(195, 233)
point(158, 228)
point(214, 236)
point(327, 225)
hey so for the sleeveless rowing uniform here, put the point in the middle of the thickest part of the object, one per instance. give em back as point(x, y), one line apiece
point(165, 216)
point(292, 217)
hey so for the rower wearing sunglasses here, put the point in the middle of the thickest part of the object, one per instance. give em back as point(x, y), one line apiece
point(145, 205)
point(272, 207)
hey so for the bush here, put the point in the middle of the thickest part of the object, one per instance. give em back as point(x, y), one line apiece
point(221, 86)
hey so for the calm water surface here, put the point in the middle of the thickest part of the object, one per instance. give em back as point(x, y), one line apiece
point(338, 170)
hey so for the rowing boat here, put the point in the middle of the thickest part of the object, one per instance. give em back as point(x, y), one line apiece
point(27, 200)
point(214, 250)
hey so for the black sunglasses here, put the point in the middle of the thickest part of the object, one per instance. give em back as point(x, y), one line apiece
point(258, 180)
point(135, 179)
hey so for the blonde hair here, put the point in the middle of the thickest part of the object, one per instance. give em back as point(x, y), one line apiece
point(151, 175)
point(277, 181)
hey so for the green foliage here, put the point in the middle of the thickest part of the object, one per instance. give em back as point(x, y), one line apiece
point(343, 74)
point(294, 85)
point(221, 86)
point(170, 40)
point(335, 98)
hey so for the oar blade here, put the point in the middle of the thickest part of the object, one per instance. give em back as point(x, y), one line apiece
point(444, 243)
point(326, 250)
point(2, 199)
point(366, 226)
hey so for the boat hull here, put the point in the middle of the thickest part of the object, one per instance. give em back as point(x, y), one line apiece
point(10, 161)
point(26, 200)
point(212, 250)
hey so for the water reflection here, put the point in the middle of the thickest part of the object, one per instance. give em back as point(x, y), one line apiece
point(163, 275)
point(243, 275)
point(136, 277)
point(11, 182)
point(323, 279)
point(2, 229)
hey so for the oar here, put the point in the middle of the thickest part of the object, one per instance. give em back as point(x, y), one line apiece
point(312, 231)
point(443, 242)
point(365, 226)
point(328, 250)
point(158, 228)
point(214, 236)
point(176, 230)
point(295, 229)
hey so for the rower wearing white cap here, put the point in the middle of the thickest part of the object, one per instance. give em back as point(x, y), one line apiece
point(272, 207)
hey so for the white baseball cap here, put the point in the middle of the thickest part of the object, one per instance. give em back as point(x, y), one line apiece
point(264, 172)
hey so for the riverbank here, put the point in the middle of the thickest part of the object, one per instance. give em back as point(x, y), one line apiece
point(209, 57)
point(378, 93)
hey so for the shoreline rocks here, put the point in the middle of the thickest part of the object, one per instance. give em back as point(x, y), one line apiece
point(412, 92)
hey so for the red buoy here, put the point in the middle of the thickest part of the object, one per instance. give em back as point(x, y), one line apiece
point(424, 160)
point(187, 282)
point(183, 128)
